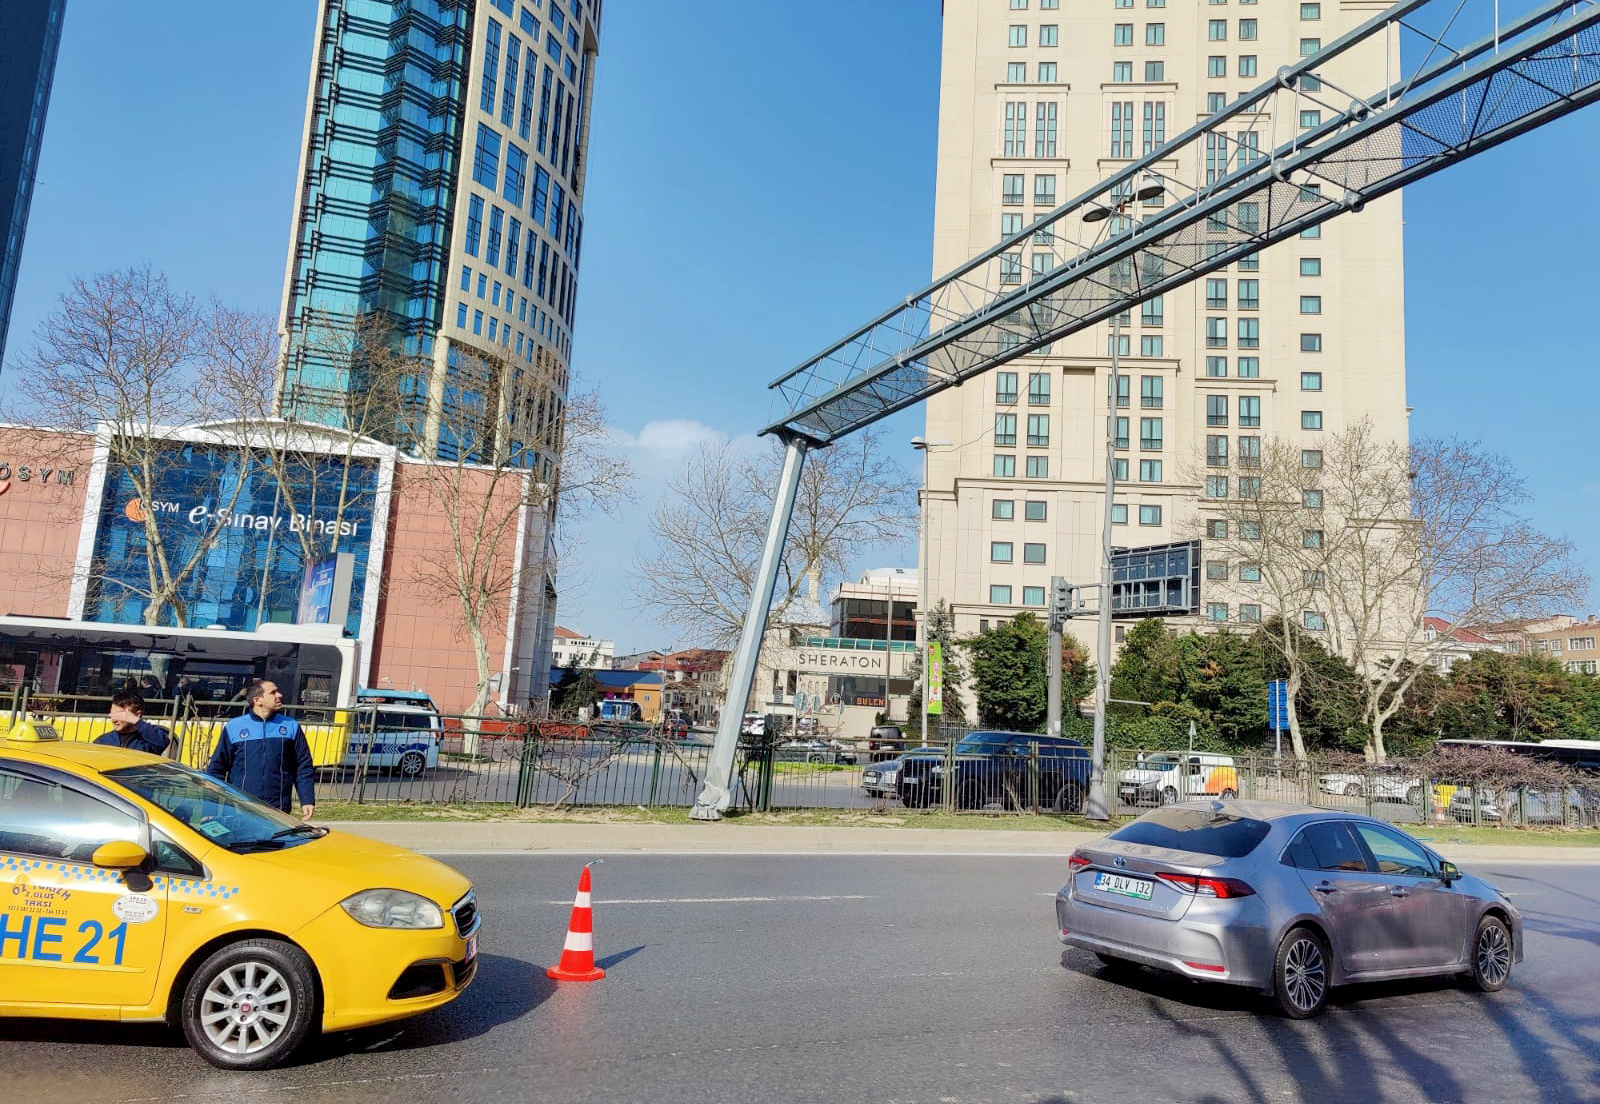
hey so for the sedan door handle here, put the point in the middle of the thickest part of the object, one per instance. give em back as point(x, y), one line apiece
point(1399, 891)
point(1326, 887)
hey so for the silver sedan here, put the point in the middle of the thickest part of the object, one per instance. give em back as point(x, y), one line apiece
point(1287, 899)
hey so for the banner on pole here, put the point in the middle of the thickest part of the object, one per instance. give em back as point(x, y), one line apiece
point(935, 678)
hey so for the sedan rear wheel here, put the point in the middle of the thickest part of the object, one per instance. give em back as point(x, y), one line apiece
point(1414, 796)
point(1352, 790)
point(1300, 974)
point(1169, 796)
point(413, 763)
point(1491, 955)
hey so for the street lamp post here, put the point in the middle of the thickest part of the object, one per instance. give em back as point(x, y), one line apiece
point(1095, 806)
point(923, 445)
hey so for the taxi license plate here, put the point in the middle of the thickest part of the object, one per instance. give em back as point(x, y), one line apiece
point(472, 948)
point(1124, 886)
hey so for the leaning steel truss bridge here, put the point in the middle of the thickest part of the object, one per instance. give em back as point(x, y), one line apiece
point(1233, 184)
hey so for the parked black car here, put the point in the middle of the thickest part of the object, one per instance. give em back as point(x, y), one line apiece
point(1020, 769)
point(885, 742)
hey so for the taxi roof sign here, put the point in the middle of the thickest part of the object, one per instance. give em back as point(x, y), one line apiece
point(33, 732)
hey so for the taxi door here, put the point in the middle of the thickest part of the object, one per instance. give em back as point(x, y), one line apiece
point(72, 933)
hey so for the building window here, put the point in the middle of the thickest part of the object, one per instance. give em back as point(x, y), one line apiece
point(1155, 125)
point(1311, 498)
point(1155, 34)
point(1249, 573)
point(1000, 551)
point(1152, 311)
point(1120, 439)
point(1314, 621)
point(1122, 128)
point(1310, 119)
point(1249, 452)
point(1016, 72)
point(1309, 46)
point(1033, 553)
point(1310, 304)
point(1249, 613)
point(1002, 509)
point(1249, 367)
point(1247, 30)
point(1311, 266)
point(1247, 65)
point(1015, 143)
point(1119, 467)
point(1044, 131)
point(1216, 486)
point(1217, 294)
point(486, 161)
point(1017, 35)
point(1047, 34)
point(1149, 515)
point(1216, 410)
point(1005, 388)
point(1311, 381)
point(1038, 431)
point(1011, 188)
point(1044, 189)
point(999, 595)
point(1216, 101)
point(1312, 231)
point(1251, 262)
point(1311, 538)
point(1311, 459)
point(1155, 72)
point(1011, 268)
point(1217, 367)
point(1216, 611)
point(1217, 529)
point(1249, 487)
point(1019, 5)
point(1119, 513)
point(1047, 72)
point(1216, 333)
point(1122, 34)
point(1250, 295)
point(1124, 346)
point(1122, 72)
point(1038, 467)
point(1150, 434)
point(1010, 224)
point(1217, 66)
point(1005, 466)
point(1150, 345)
point(461, 315)
point(1249, 411)
point(1217, 30)
point(1310, 11)
point(1033, 510)
point(1311, 343)
point(1005, 430)
point(1249, 333)
point(1149, 471)
point(1217, 447)
point(1038, 389)
point(1033, 596)
point(1310, 419)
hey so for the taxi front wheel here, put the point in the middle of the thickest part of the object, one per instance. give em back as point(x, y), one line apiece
point(250, 1004)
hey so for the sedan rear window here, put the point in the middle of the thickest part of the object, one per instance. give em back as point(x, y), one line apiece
point(1204, 831)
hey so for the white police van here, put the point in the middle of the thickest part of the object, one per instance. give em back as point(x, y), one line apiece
point(403, 739)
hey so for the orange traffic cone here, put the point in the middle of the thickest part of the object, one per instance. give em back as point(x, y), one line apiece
point(577, 954)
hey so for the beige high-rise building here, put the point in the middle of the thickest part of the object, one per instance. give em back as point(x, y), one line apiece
point(1040, 100)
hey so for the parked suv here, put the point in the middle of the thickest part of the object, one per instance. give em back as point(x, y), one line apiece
point(999, 767)
point(885, 742)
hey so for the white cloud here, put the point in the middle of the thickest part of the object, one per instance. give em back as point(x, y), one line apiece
point(669, 437)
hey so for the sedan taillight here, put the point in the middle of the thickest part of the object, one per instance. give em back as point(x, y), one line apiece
point(1202, 886)
point(1077, 862)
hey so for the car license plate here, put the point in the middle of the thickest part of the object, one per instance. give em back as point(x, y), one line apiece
point(1123, 886)
point(472, 948)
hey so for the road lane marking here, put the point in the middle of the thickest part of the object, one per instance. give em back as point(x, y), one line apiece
point(598, 901)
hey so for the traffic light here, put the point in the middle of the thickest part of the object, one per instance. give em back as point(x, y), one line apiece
point(1061, 594)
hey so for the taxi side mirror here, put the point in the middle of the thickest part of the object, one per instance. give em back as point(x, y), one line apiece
point(120, 855)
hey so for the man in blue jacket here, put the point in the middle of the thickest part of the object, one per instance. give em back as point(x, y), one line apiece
point(129, 729)
point(264, 753)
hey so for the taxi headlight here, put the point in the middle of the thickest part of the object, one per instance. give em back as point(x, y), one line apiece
point(392, 908)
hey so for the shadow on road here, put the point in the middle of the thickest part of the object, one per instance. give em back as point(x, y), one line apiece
point(505, 989)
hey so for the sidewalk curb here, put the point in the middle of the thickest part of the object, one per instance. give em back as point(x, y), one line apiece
point(722, 838)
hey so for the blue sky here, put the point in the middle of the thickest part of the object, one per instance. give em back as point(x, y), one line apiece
point(760, 182)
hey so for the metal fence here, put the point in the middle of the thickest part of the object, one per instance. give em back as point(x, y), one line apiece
point(523, 762)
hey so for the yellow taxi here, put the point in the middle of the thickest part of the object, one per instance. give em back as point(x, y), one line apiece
point(134, 889)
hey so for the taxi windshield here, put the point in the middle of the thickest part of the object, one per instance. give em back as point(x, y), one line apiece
point(214, 809)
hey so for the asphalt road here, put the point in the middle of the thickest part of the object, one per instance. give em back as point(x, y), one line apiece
point(876, 979)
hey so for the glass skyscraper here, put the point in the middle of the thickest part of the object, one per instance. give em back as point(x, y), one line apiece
point(441, 192)
point(29, 36)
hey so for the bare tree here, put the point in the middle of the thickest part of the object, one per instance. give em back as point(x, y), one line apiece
point(709, 528)
point(126, 356)
point(509, 453)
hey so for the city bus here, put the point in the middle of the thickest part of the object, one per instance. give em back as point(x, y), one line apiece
point(194, 679)
point(1582, 754)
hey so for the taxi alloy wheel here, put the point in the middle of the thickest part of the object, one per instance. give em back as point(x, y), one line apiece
point(251, 1004)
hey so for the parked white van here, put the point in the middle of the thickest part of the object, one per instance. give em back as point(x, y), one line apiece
point(1163, 777)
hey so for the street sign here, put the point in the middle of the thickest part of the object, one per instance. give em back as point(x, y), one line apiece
point(1155, 580)
point(1278, 704)
point(935, 678)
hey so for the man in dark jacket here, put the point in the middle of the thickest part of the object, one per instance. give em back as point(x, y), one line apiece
point(129, 729)
point(264, 753)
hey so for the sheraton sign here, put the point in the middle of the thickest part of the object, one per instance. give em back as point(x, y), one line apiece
point(834, 661)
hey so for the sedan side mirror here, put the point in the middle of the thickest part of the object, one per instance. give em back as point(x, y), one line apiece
point(1448, 871)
